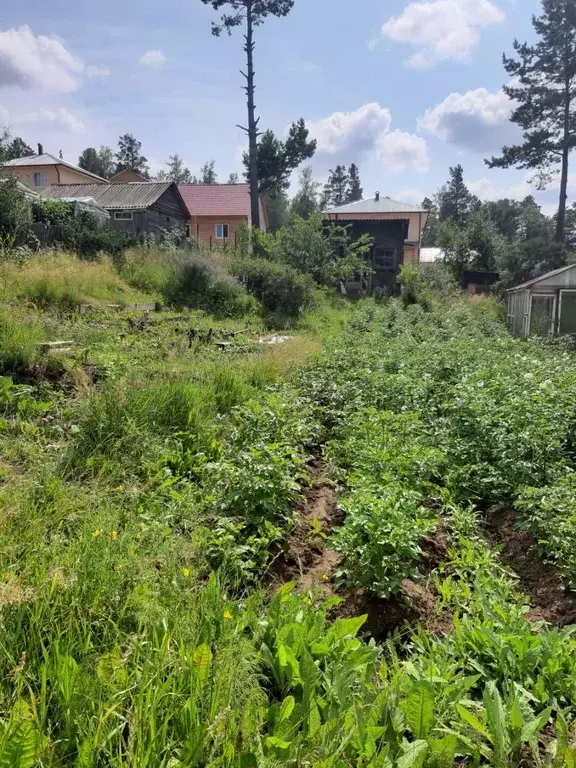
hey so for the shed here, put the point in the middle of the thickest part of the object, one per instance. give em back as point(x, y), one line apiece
point(137, 207)
point(544, 306)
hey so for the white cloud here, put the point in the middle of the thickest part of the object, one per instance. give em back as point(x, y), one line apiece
point(441, 29)
point(411, 195)
point(478, 120)
point(42, 118)
point(357, 130)
point(41, 62)
point(485, 189)
point(154, 59)
point(95, 72)
point(403, 152)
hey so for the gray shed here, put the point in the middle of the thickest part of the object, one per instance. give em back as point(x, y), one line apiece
point(545, 306)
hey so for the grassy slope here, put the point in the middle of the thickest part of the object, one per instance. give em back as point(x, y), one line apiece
point(118, 500)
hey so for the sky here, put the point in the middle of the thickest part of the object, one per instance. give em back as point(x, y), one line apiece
point(402, 88)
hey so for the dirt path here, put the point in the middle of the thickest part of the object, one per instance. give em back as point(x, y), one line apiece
point(306, 558)
point(551, 600)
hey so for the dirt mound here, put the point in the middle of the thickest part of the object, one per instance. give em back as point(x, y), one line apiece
point(306, 558)
point(416, 604)
point(551, 600)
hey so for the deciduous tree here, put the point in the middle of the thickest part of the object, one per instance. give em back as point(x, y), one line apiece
point(176, 171)
point(543, 89)
point(208, 173)
point(336, 188)
point(129, 156)
point(99, 161)
point(305, 202)
point(251, 14)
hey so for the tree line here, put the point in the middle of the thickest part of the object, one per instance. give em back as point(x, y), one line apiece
point(511, 237)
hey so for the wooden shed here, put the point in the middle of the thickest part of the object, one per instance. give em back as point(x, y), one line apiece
point(137, 207)
point(544, 306)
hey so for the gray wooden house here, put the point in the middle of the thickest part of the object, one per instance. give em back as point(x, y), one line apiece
point(544, 306)
point(136, 207)
point(396, 229)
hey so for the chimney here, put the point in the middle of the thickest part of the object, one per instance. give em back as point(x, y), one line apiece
point(40, 149)
point(377, 197)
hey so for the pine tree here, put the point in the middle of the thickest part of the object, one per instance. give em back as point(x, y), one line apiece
point(305, 201)
point(252, 13)
point(277, 159)
point(355, 190)
point(431, 233)
point(544, 88)
point(455, 201)
point(129, 158)
point(336, 188)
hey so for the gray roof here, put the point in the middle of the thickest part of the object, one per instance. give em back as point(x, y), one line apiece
point(372, 205)
point(47, 159)
point(535, 280)
point(28, 193)
point(133, 196)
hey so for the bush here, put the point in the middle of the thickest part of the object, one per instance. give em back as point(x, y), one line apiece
point(279, 288)
point(14, 215)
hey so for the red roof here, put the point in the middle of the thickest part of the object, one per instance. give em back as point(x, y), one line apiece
point(218, 200)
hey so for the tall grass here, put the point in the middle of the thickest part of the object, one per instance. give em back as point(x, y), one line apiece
point(63, 281)
point(19, 339)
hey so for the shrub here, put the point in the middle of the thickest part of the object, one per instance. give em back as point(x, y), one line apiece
point(14, 215)
point(278, 287)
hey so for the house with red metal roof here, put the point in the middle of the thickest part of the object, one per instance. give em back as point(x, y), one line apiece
point(217, 211)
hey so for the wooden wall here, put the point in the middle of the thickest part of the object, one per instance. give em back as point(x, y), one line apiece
point(203, 228)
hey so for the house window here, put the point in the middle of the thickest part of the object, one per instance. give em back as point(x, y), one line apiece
point(123, 215)
point(385, 258)
point(40, 180)
point(221, 231)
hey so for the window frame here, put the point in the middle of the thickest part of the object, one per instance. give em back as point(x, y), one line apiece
point(124, 216)
point(225, 229)
point(528, 317)
point(388, 256)
point(41, 176)
point(561, 297)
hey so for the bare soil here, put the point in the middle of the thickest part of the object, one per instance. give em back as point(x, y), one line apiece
point(306, 558)
point(551, 600)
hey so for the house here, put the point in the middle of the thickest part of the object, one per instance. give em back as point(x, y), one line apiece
point(478, 282)
point(545, 306)
point(216, 212)
point(126, 176)
point(136, 208)
point(396, 229)
point(42, 170)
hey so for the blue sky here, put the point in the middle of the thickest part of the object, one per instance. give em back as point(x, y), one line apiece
point(402, 88)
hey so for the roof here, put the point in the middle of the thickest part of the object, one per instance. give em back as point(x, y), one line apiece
point(132, 196)
point(218, 200)
point(376, 205)
point(47, 159)
point(431, 255)
point(540, 279)
point(134, 176)
point(29, 194)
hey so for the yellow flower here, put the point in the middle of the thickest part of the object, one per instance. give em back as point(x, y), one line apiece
point(120, 567)
point(113, 535)
point(325, 577)
point(97, 533)
point(227, 615)
point(131, 551)
point(186, 572)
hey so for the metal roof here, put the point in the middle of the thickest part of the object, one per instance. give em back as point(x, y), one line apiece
point(535, 280)
point(48, 159)
point(431, 255)
point(29, 194)
point(133, 196)
point(376, 205)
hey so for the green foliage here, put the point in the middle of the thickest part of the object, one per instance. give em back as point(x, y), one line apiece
point(14, 214)
point(129, 157)
point(101, 162)
point(52, 211)
point(19, 341)
point(280, 289)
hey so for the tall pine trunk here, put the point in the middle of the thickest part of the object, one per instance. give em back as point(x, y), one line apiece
point(561, 219)
point(252, 122)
